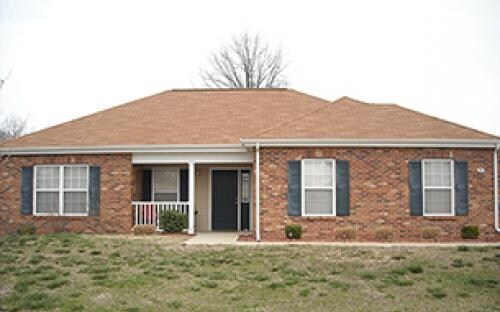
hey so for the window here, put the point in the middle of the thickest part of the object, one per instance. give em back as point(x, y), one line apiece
point(245, 187)
point(61, 190)
point(165, 184)
point(318, 187)
point(438, 182)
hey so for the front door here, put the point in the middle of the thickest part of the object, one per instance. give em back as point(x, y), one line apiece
point(225, 200)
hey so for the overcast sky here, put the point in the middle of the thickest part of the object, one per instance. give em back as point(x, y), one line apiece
point(71, 58)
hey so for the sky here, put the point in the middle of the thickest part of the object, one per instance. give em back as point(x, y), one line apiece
point(70, 58)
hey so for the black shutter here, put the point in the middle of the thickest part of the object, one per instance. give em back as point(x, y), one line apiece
point(184, 185)
point(27, 191)
point(146, 184)
point(342, 187)
point(294, 188)
point(415, 181)
point(94, 190)
point(461, 188)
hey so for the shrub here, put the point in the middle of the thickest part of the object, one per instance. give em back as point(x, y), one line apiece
point(144, 229)
point(26, 229)
point(293, 231)
point(384, 233)
point(431, 232)
point(470, 232)
point(173, 221)
point(436, 292)
point(345, 233)
point(415, 268)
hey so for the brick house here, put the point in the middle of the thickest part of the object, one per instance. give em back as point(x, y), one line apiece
point(254, 161)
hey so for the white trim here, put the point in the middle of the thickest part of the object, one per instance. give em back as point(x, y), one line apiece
point(495, 185)
point(199, 158)
point(451, 187)
point(120, 149)
point(238, 169)
point(238, 201)
point(247, 143)
point(61, 190)
point(257, 192)
point(464, 143)
point(191, 197)
point(304, 187)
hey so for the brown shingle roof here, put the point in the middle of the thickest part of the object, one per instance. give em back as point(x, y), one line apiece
point(208, 116)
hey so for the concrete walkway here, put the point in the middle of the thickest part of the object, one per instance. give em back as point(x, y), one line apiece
point(213, 238)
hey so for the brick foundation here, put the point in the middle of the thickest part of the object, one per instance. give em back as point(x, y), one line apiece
point(116, 194)
point(378, 197)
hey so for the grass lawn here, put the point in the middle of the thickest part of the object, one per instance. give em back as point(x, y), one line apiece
point(69, 272)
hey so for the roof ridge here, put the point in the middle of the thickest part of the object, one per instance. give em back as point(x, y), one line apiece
point(326, 102)
point(227, 89)
point(444, 120)
point(84, 117)
point(361, 102)
point(290, 120)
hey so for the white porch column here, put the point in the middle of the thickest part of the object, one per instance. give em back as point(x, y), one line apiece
point(191, 176)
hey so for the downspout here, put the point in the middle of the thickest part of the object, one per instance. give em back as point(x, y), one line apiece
point(257, 192)
point(495, 178)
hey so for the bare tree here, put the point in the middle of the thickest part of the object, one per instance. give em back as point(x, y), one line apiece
point(247, 62)
point(11, 125)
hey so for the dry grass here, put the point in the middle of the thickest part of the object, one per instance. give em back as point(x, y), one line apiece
point(157, 273)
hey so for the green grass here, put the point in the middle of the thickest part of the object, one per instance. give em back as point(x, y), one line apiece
point(68, 272)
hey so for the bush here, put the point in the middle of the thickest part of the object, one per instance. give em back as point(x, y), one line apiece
point(415, 268)
point(293, 231)
point(172, 221)
point(470, 232)
point(431, 232)
point(144, 229)
point(345, 233)
point(384, 233)
point(26, 229)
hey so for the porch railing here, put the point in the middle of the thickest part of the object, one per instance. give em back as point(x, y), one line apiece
point(149, 212)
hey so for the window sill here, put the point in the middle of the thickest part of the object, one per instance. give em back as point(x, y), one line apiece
point(440, 218)
point(60, 215)
point(316, 217)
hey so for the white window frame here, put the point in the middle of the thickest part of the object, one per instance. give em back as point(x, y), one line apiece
point(451, 187)
point(178, 191)
point(60, 190)
point(304, 187)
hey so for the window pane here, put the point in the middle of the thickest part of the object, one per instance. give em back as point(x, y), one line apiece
point(245, 187)
point(437, 173)
point(438, 201)
point(47, 177)
point(165, 197)
point(75, 202)
point(75, 177)
point(318, 202)
point(318, 172)
point(165, 181)
point(47, 202)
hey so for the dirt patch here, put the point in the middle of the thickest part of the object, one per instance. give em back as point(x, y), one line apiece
point(103, 298)
point(5, 290)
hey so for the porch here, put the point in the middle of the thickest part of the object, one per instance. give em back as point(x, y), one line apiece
point(213, 196)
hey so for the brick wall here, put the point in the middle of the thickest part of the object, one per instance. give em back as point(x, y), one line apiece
point(378, 197)
point(116, 193)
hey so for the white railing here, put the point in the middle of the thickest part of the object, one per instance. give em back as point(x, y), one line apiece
point(149, 212)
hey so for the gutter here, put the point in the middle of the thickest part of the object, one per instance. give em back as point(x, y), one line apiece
point(124, 149)
point(495, 179)
point(417, 143)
